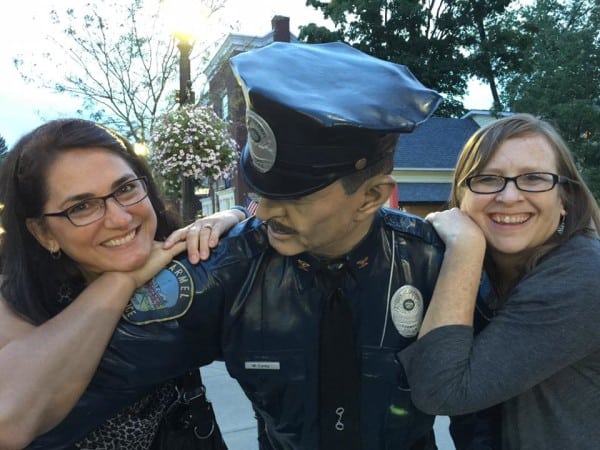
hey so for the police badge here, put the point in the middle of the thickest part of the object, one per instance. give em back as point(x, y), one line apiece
point(407, 310)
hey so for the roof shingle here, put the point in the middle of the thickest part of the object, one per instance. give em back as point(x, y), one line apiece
point(435, 144)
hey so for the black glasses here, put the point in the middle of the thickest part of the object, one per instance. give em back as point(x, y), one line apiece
point(93, 209)
point(528, 182)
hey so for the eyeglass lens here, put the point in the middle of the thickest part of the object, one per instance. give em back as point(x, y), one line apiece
point(529, 182)
point(90, 210)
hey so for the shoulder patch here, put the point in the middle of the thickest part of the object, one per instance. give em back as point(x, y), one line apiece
point(167, 296)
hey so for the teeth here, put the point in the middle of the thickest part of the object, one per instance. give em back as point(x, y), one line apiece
point(120, 241)
point(510, 219)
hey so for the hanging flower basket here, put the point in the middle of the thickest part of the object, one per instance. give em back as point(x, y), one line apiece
point(192, 142)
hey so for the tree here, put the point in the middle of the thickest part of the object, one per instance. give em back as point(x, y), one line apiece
point(494, 44)
point(562, 79)
point(442, 42)
point(117, 58)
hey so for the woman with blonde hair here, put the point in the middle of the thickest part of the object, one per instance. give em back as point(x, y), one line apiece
point(523, 217)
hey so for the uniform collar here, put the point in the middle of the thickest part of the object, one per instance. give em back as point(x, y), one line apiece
point(357, 261)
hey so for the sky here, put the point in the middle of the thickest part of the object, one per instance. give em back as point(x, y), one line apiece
point(24, 26)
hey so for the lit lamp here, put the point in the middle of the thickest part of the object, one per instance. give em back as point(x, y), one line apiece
point(140, 149)
point(183, 17)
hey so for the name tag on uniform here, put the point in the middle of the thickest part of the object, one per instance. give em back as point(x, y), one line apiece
point(262, 365)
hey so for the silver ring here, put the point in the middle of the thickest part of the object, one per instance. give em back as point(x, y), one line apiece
point(192, 228)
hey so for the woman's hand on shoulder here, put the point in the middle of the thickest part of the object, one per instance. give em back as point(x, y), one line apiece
point(159, 258)
point(456, 228)
point(204, 233)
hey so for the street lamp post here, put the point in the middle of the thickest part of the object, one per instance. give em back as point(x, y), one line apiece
point(185, 44)
point(183, 18)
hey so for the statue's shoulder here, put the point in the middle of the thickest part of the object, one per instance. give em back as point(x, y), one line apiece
point(409, 224)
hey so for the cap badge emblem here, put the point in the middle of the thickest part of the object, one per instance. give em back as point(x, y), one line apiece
point(261, 142)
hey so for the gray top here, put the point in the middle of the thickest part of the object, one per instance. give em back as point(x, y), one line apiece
point(540, 356)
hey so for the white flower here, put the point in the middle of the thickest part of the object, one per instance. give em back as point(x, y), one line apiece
point(192, 142)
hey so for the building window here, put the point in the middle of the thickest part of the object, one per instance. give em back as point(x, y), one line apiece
point(207, 207)
point(226, 203)
point(225, 106)
point(226, 198)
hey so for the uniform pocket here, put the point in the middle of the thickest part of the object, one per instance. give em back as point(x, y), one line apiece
point(275, 382)
point(387, 402)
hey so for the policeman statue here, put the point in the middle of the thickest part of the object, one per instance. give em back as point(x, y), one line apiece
point(309, 302)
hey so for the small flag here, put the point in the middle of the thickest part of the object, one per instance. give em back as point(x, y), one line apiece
point(251, 207)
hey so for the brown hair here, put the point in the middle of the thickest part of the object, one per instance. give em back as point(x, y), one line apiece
point(583, 215)
point(32, 281)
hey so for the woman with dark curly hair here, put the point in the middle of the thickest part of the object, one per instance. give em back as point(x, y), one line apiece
point(83, 220)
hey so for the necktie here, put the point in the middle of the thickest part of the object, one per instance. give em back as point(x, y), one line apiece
point(339, 377)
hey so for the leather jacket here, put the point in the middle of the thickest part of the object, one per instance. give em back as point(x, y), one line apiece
point(260, 312)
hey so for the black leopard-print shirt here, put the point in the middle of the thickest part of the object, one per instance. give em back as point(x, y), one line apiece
point(134, 427)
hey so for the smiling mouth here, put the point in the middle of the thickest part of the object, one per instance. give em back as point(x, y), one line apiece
point(278, 228)
point(513, 219)
point(120, 241)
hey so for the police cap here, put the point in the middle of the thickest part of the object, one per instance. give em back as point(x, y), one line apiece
point(316, 113)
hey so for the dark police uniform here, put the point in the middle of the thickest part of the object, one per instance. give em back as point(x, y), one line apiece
point(263, 309)
point(315, 113)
